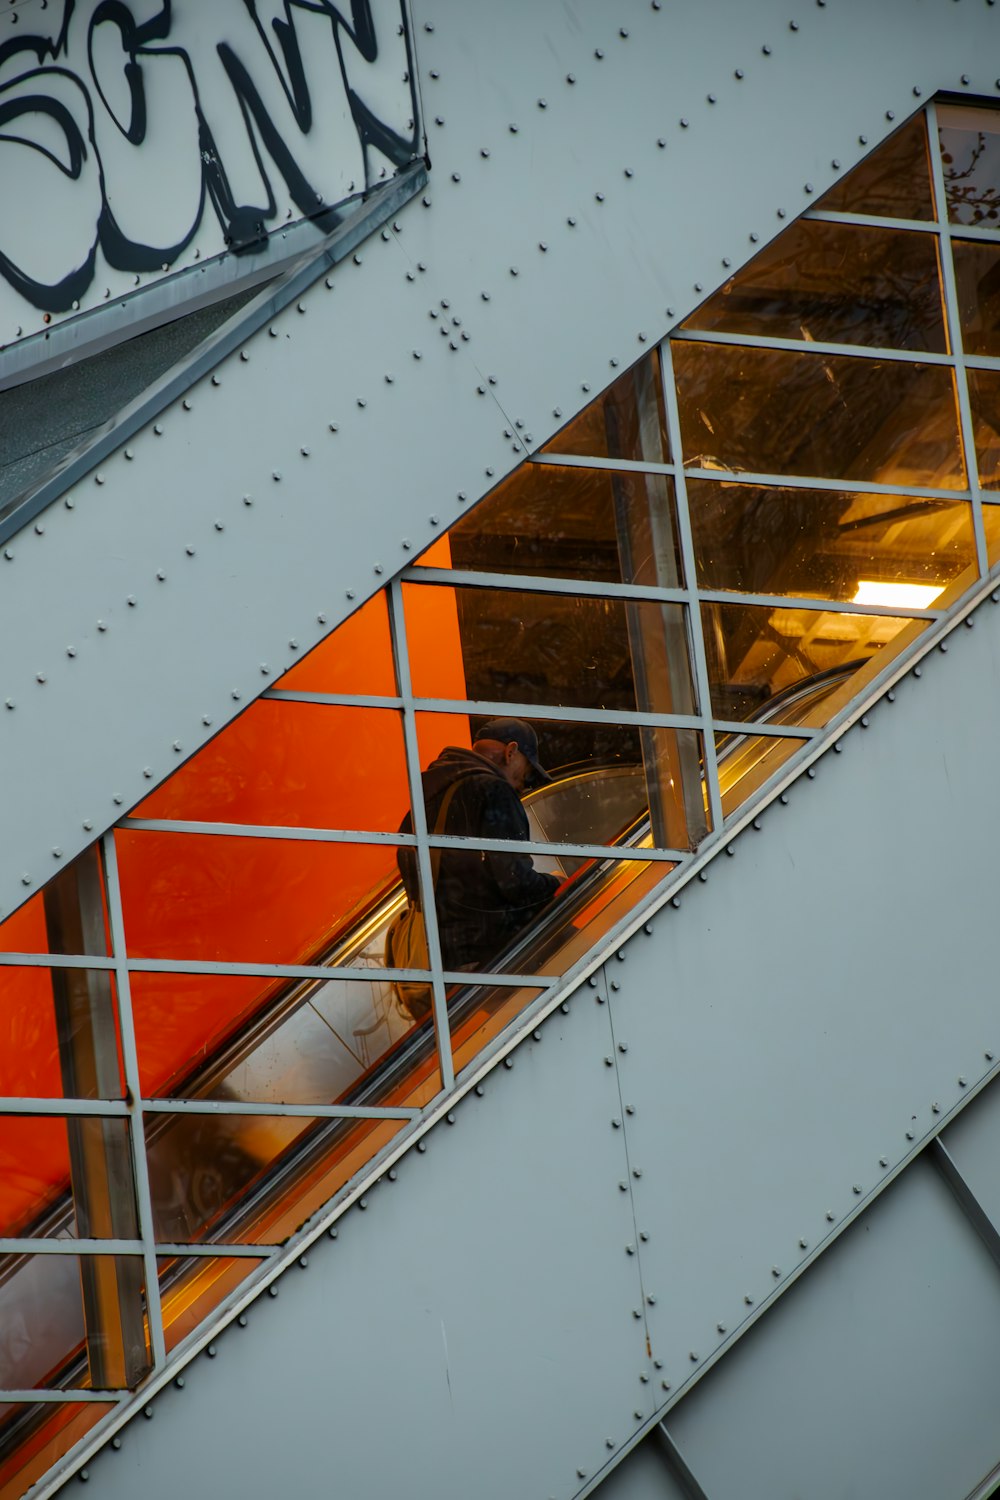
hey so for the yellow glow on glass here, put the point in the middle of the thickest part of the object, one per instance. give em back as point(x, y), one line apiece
point(897, 595)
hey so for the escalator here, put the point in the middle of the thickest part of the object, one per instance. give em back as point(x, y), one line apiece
point(255, 1179)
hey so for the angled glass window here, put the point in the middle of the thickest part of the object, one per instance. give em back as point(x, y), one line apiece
point(894, 182)
point(836, 284)
point(970, 153)
point(627, 421)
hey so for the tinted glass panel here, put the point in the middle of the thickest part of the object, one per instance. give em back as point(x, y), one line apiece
point(970, 151)
point(354, 658)
point(775, 411)
point(294, 765)
point(33, 1438)
point(559, 649)
point(192, 1288)
point(230, 1178)
point(87, 1320)
point(984, 395)
point(825, 543)
point(758, 658)
point(746, 762)
point(317, 1041)
point(264, 900)
point(570, 523)
point(836, 284)
point(626, 422)
point(68, 917)
point(977, 279)
point(59, 1034)
point(893, 183)
point(62, 1177)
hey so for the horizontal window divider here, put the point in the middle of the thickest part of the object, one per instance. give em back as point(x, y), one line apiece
point(583, 851)
point(269, 971)
point(823, 606)
point(23, 1246)
point(488, 707)
point(58, 960)
point(596, 461)
point(219, 1251)
point(339, 700)
point(12, 1104)
point(532, 583)
point(872, 221)
point(29, 1397)
point(981, 361)
point(266, 831)
point(810, 346)
point(501, 981)
point(751, 729)
point(972, 232)
point(262, 1107)
point(819, 482)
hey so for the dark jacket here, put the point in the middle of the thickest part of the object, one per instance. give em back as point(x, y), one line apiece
point(483, 897)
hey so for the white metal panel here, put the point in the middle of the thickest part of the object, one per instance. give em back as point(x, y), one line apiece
point(471, 1332)
point(973, 1141)
point(644, 1474)
point(191, 648)
point(876, 1375)
point(817, 1010)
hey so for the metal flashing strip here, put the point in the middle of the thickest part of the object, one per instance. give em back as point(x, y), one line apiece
point(380, 206)
point(812, 346)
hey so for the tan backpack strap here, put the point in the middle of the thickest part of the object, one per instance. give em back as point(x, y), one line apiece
point(439, 826)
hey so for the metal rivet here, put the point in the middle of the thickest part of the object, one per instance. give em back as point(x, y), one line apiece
point(883, 1161)
point(684, 124)
point(961, 1082)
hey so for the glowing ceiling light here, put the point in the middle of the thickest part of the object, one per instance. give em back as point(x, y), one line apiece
point(897, 595)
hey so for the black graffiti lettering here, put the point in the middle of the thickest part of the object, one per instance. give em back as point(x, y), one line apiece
point(255, 66)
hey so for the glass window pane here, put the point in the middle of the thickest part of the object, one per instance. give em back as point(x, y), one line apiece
point(316, 1041)
point(970, 151)
point(34, 1438)
point(892, 183)
point(991, 525)
point(746, 761)
point(192, 1287)
point(984, 396)
point(354, 658)
point(605, 778)
point(625, 422)
point(72, 1320)
point(59, 1034)
point(66, 1177)
point(298, 765)
point(977, 279)
point(522, 647)
point(251, 1179)
point(826, 544)
point(478, 1013)
point(775, 411)
point(552, 522)
point(766, 661)
point(68, 917)
point(836, 284)
point(200, 896)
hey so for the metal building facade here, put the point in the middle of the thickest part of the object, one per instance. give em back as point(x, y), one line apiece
point(728, 1124)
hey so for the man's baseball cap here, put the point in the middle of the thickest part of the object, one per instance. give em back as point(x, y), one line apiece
point(523, 736)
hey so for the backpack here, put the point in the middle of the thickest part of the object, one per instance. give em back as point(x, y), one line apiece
point(406, 938)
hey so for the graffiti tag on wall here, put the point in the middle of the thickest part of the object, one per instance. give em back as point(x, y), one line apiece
point(136, 137)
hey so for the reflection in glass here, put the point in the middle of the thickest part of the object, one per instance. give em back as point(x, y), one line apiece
point(774, 411)
point(892, 183)
point(72, 1320)
point(970, 152)
point(68, 917)
point(746, 761)
point(984, 398)
point(34, 1438)
point(257, 899)
point(836, 284)
point(354, 658)
point(626, 422)
point(977, 280)
point(559, 649)
point(991, 525)
point(248, 1040)
point(66, 1176)
point(758, 658)
point(552, 522)
point(297, 765)
point(755, 539)
point(251, 1179)
point(478, 1013)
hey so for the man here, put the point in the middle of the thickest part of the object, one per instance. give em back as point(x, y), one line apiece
point(483, 897)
